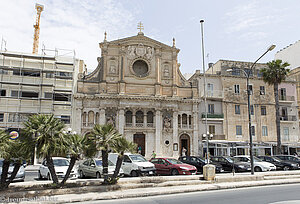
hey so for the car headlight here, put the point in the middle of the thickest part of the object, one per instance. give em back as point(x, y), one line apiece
point(184, 168)
point(141, 168)
point(294, 164)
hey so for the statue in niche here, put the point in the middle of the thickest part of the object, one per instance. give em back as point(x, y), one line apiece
point(110, 120)
point(166, 71)
point(113, 68)
point(167, 122)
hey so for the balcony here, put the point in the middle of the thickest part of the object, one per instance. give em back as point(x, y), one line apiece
point(213, 94)
point(289, 118)
point(286, 99)
point(213, 116)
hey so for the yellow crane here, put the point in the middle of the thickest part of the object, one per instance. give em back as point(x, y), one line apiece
point(39, 8)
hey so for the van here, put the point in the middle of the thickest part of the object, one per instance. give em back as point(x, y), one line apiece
point(134, 164)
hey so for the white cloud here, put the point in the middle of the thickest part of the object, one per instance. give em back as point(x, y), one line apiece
point(67, 24)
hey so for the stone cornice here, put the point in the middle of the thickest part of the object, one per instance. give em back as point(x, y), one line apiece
point(133, 97)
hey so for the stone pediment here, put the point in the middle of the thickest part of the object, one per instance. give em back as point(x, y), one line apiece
point(140, 38)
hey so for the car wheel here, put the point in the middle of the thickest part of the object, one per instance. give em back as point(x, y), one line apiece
point(174, 172)
point(286, 168)
point(40, 176)
point(134, 173)
point(98, 175)
point(48, 177)
point(257, 169)
point(81, 174)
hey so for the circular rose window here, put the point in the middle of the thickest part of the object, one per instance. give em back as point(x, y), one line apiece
point(140, 68)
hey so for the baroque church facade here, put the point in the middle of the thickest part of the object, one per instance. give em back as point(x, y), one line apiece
point(138, 87)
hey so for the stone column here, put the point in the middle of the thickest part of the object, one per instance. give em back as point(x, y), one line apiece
point(175, 133)
point(102, 117)
point(195, 144)
point(145, 119)
point(133, 119)
point(121, 121)
point(158, 132)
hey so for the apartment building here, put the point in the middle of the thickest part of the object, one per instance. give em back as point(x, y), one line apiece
point(227, 110)
point(32, 84)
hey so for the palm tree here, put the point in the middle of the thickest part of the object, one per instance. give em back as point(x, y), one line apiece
point(121, 145)
point(11, 151)
point(104, 137)
point(47, 133)
point(274, 75)
point(76, 145)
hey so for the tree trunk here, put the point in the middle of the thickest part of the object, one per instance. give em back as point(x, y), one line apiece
point(118, 167)
point(278, 149)
point(4, 174)
point(105, 165)
point(72, 163)
point(51, 168)
point(17, 166)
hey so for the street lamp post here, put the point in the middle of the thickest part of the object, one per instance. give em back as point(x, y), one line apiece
point(208, 137)
point(249, 106)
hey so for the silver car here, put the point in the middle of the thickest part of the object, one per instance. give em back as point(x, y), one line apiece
point(20, 175)
point(93, 168)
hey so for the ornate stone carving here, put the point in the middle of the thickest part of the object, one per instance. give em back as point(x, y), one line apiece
point(167, 122)
point(140, 51)
point(166, 71)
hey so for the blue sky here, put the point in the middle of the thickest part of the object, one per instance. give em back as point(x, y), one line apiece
point(233, 29)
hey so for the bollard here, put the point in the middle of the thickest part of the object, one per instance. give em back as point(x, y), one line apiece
point(209, 172)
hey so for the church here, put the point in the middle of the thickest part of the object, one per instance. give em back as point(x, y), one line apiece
point(138, 87)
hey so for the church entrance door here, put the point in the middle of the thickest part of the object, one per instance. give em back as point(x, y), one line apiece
point(184, 143)
point(139, 139)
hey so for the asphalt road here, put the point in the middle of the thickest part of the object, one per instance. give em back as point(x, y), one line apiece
point(283, 194)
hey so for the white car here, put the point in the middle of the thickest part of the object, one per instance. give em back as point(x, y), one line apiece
point(259, 165)
point(61, 166)
point(93, 168)
point(134, 164)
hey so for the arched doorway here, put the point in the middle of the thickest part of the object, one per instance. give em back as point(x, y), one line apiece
point(139, 139)
point(184, 142)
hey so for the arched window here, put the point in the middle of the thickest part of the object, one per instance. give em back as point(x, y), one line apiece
point(190, 121)
point(150, 119)
point(184, 119)
point(84, 119)
point(139, 117)
point(91, 117)
point(179, 120)
point(128, 118)
point(97, 118)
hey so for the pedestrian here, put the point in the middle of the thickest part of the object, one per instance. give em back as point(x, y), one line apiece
point(139, 149)
point(153, 155)
point(184, 151)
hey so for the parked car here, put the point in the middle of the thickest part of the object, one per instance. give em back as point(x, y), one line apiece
point(290, 158)
point(259, 165)
point(20, 175)
point(61, 166)
point(228, 164)
point(93, 168)
point(199, 162)
point(169, 166)
point(134, 164)
point(280, 164)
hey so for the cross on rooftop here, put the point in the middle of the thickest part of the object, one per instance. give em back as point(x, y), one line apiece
point(140, 26)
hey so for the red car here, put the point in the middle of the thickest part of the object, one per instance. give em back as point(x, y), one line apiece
point(169, 166)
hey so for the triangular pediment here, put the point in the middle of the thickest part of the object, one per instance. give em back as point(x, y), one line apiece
point(140, 38)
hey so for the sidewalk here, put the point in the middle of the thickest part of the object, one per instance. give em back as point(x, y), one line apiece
point(159, 185)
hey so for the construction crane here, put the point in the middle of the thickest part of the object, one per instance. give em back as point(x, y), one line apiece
point(39, 8)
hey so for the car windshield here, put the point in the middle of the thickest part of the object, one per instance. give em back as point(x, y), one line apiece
point(277, 159)
point(60, 162)
point(229, 159)
point(98, 162)
point(255, 159)
point(137, 158)
point(174, 161)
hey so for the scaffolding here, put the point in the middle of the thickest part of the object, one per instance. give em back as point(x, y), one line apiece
point(44, 83)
